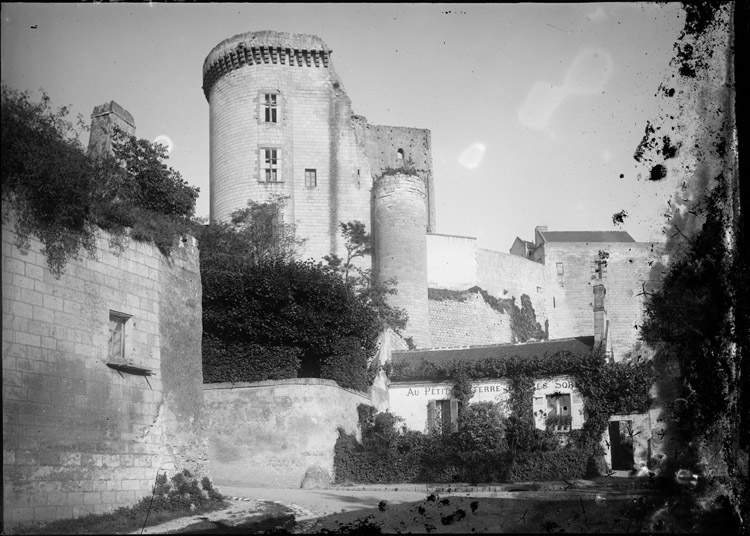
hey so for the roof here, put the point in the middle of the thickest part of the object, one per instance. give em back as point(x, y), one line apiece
point(577, 345)
point(586, 236)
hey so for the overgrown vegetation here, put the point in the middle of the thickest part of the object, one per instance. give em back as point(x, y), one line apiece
point(267, 315)
point(358, 244)
point(489, 446)
point(58, 194)
point(697, 315)
point(180, 496)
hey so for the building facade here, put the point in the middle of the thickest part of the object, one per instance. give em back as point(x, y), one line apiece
point(282, 124)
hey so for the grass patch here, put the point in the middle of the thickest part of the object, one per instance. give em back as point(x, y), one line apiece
point(182, 495)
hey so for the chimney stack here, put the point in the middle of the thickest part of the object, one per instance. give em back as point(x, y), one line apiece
point(600, 319)
point(103, 120)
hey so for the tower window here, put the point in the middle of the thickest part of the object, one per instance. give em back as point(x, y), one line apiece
point(270, 171)
point(270, 108)
point(400, 155)
point(311, 178)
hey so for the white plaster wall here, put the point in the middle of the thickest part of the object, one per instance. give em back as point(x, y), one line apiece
point(451, 261)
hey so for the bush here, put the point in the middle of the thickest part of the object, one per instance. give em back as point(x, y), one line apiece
point(283, 319)
point(388, 455)
point(227, 361)
point(561, 464)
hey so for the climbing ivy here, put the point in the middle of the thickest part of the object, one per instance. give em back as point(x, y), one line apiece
point(526, 453)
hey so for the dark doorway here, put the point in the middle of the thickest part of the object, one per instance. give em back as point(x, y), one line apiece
point(621, 445)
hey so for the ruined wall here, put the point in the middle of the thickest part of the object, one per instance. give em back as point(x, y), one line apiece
point(396, 147)
point(455, 263)
point(505, 276)
point(78, 437)
point(569, 296)
point(104, 119)
point(268, 434)
point(467, 322)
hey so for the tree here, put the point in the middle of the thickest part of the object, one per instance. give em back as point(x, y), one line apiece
point(358, 244)
point(256, 296)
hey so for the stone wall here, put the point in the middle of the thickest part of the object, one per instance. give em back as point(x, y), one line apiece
point(451, 261)
point(455, 263)
point(78, 437)
point(569, 296)
point(268, 434)
point(466, 323)
point(506, 276)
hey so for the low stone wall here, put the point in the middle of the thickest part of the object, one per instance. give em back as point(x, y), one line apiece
point(269, 434)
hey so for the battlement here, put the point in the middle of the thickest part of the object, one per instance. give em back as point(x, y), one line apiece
point(263, 47)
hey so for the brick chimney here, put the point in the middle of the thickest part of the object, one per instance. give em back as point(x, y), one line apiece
point(600, 318)
point(103, 119)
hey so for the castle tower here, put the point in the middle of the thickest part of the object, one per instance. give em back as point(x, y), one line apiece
point(399, 226)
point(281, 124)
point(103, 120)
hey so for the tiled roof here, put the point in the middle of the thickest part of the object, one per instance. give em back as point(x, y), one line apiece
point(578, 345)
point(586, 236)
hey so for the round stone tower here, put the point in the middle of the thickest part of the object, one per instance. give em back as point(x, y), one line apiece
point(280, 125)
point(399, 233)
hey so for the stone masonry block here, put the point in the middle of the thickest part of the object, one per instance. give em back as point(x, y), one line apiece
point(131, 485)
point(93, 497)
point(44, 513)
point(22, 515)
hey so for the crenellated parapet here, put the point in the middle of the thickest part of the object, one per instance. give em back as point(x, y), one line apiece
point(265, 47)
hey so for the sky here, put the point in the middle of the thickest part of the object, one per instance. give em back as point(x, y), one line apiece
point(535, 110)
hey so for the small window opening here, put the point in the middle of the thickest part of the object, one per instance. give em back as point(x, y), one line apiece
point(270, 165)
point(270, 108)
point(117, 323)
point(400, 154)
point(311, 178)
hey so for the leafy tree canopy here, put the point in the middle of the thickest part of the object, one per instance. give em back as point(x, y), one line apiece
point(358, 244)
point(257, 296)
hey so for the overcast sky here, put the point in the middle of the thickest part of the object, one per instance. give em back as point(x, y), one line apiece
point(535, 109)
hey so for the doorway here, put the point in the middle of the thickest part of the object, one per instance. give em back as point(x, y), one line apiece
point(621, 445)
